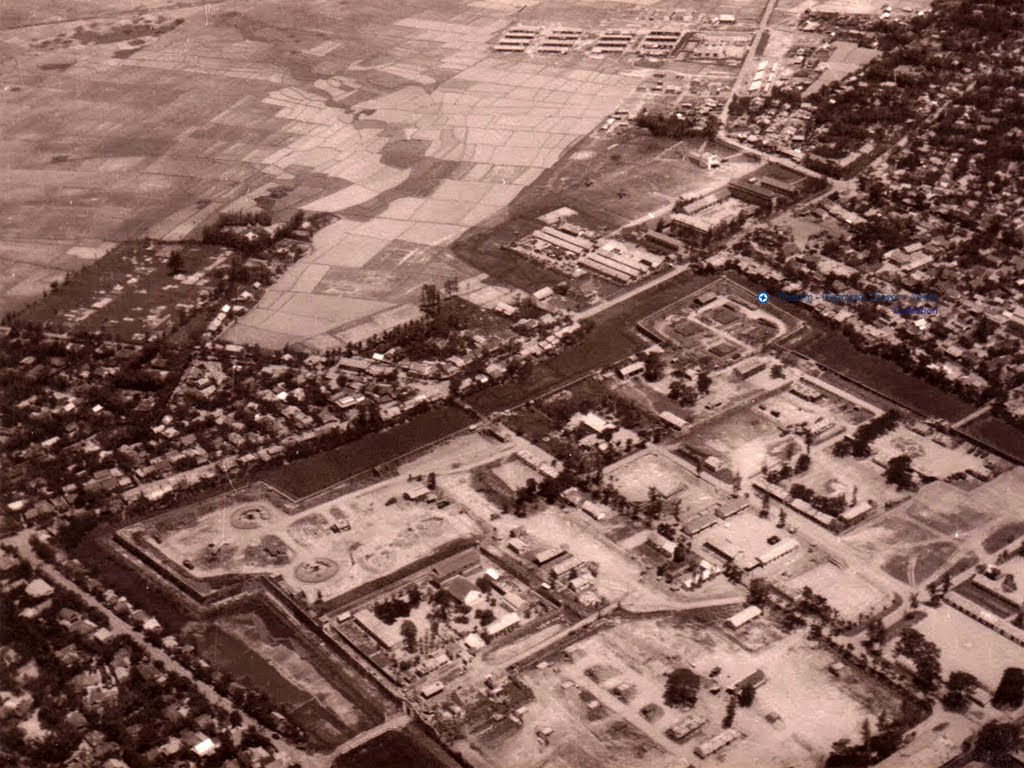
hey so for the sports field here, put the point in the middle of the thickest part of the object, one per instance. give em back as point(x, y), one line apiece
point(635, 475)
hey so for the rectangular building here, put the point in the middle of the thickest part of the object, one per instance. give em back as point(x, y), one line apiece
point(716, 743)
point(748, 614)
point(699, 523)
point(676, 422)
point(502, 625)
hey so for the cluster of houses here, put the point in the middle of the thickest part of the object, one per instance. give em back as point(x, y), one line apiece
point(231, 409)
point(948, 183)
point(100, 666)
point(561, 570)
point(492, 604)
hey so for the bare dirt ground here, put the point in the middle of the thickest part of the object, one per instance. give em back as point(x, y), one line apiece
point(304, 549)
point(624, 670)
point(969, 645)
point(915, 540)
point(636, 474)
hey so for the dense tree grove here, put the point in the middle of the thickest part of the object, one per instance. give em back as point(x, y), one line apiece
point(682, 688)
point(677, 125)
point(859, 443)
point(1010, 692)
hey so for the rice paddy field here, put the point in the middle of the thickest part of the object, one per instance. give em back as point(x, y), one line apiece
point(400, 121)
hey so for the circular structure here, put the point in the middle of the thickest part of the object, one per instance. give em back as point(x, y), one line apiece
point(249, 517)
point(762, 298)
point(314, 571)
point(379, 560)
point(309, 529)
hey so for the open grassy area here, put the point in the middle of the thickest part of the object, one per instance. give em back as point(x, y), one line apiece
point(1003, 536)
point(130, 290)
point(1002, 436)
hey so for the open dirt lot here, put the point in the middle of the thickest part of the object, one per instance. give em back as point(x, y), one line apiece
point(915, 539)
point(636, 474)
point(515, 474)
point(969, 645)
point(831, 475)
point(848, 592)
point(304, 550)
point(624, 669)
point(743, 438)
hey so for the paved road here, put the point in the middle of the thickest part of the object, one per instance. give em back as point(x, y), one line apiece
point(631, 293)
point(762, 28)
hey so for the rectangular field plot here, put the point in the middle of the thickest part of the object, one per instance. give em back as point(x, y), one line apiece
point(849, 593)
point(969, 645)
point(635, 475)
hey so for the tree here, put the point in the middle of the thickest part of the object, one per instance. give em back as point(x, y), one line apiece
point(655, 498)
point(924, 655)
point(654, 366)
point(451, 286)
point(758, 592)
point(777, 371)
point(175, 263)
point(683, 394)
point(730, 713)
point(430, 297)
point(803, 463)
point(746, 695)
point(1010, 692)
point(995, 742)
point(959, 689)
point(899, 472)
point(682, 687)
point(409, 633)
point(703, 382)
